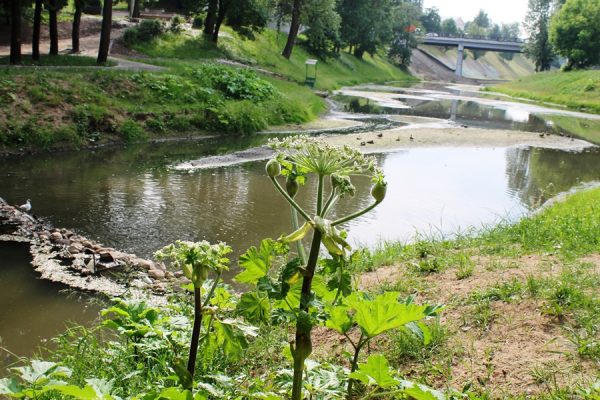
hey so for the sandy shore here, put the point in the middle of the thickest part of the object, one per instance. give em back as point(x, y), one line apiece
point(400, 138)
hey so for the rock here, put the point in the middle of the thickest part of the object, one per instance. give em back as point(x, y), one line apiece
point(75, 248)
point(169, 275)
point(145, 264)
point(105, 255)
point(56, 236)
point(156, 274)
point(159, 287)
point(178, 274)
point(45, 234)
point(64, 242)
point(87, 243)
point(161, 266)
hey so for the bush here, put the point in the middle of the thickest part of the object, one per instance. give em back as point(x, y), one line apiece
point(176, 25)
point(132, 131)
point(147, 30)
point(239, 84)
point(198, 22)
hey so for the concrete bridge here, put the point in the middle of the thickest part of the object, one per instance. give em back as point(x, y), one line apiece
point(473, 44)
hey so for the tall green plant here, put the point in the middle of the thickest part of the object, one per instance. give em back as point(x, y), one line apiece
point(197, 260)
point(299, 159)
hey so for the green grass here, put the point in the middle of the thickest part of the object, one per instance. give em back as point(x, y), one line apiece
point(265, 52)
point(75, 107)
point(60, 60)
point(576, 89)
point(569, 228)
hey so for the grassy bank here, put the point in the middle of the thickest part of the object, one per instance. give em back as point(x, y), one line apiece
point(265, 52)
point(78, 107)
point(575, 89)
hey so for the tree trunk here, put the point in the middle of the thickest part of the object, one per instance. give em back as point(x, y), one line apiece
point(294, 26)
point(211, 17)
point(76, 24)
point(223, 6)
point(136, 9)
point(15, 32)
point(37, 24)
point(105, 33)
point(52, 10)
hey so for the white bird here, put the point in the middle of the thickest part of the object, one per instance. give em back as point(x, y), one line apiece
point(26, 207)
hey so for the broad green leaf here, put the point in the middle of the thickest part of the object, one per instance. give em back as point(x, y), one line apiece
point(255, 307)
point(376, 371)
point(383, 313)
point(417, 391)
point(175, 394)
point(339, 319)
point(84, 393)
point(256, 262)
point(180, 368)
point(9, 386)
point(42, 371)
point(231, 336)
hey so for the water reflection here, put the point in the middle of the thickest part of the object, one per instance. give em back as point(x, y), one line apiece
point(31, 309)
point(133, 202)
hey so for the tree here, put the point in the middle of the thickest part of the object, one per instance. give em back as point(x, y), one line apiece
point(105, 33)
point(431, 20)
point(323, 25)
point(403, 38)
point(211, 17)
point(37, 22)
point(366, 24)
point(575, 33)
point(53, 26)
point(15, 32)
point(482, 19)
point(449, 27)
point(538, 47)
point(76, 23)
point(244, 16)
point(495, 32)
point(294, 27)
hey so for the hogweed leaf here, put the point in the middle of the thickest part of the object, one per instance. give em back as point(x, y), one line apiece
point(383, 313)
point(376, 371)
point(255, 307)
point(256, 262)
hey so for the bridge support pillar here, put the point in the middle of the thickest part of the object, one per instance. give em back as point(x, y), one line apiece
point(459, 60)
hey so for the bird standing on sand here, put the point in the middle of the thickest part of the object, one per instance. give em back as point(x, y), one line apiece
point(411, 137)
point(26, 207)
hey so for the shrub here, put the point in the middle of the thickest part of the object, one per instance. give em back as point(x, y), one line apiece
point(240, 84)
point(147, 30)
point(132, 131)
point(176, 25)
point(198, 21)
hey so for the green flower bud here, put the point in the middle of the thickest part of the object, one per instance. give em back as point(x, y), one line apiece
point(273, 168)
point(378, 191)
point(291, 187)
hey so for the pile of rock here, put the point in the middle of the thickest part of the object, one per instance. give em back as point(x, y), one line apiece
point(62, 255)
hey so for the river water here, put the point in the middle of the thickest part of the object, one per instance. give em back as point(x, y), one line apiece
point(133, 199)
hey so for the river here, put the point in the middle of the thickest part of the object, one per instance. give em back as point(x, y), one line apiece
point(135, 200)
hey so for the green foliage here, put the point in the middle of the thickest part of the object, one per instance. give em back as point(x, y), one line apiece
point(575, 33)
point(240, 84)
point(132, 131)
point(575, 89)
point(569, 227)
point(538, 46)
point(147, 30)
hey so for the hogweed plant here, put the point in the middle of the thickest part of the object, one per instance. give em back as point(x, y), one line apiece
point(196, 260)
point(298, 159)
